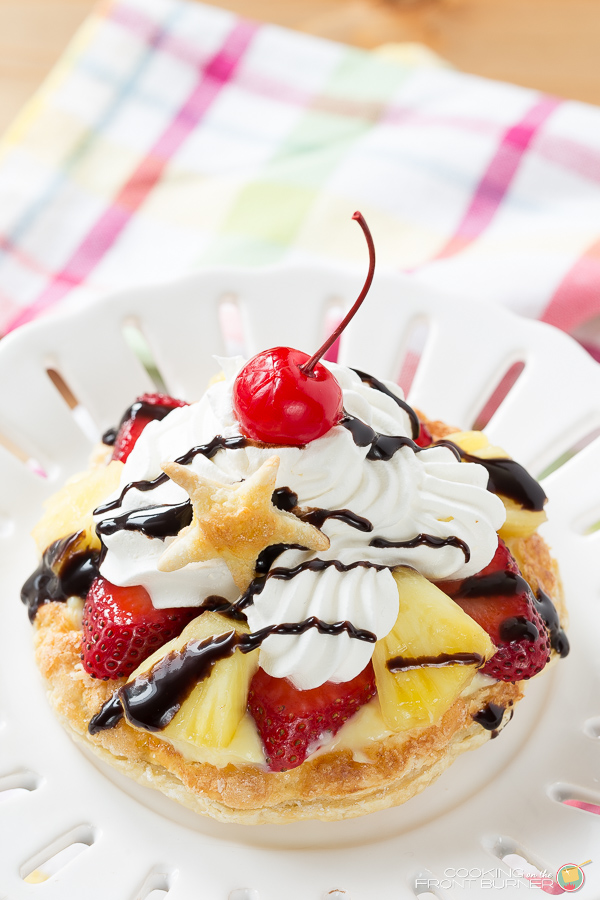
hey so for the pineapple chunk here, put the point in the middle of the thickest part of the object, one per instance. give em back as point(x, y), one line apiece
point(213, 712)
point(520, 523)
point(476, 443)
point(70, 509)
point(429, 623)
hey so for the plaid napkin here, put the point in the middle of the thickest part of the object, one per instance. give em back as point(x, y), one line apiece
point(174, 135)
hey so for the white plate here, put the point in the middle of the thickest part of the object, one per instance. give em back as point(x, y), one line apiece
point(503, 799)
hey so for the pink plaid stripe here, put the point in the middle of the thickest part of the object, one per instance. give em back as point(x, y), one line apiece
point(577, 298)
point(215, 75)
point(498, 177)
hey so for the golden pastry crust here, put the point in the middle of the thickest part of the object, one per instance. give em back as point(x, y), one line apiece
point(330, 786)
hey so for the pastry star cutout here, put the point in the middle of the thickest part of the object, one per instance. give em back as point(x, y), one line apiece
point(234, 522)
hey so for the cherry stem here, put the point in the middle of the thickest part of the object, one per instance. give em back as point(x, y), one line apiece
point(307, 367)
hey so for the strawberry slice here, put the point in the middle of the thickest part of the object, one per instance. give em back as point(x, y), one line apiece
point(424, 439)
point(290, 721)
point(145, 409)
point(501, 601)
point(121, 628)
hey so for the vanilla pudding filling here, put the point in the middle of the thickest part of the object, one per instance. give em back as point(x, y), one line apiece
point(414, 507)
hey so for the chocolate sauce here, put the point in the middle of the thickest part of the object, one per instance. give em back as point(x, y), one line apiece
point(142, 409)
point(510, 478)
point(492, 585)
point(153, 521)
point(215, 603)
point(312, 565)
point(547, 610)
point(208, 450)
point(428, 540)
point(379, 386)
point(284, 498)
point(64, 571)
point(518, 628)
point(152, 699)
point(383, 446)
point(267, 557)
point(318, 517)
point(109, 716)
point(490, 717)
point(405, 663)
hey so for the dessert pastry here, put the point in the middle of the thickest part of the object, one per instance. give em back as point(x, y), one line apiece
point(294, 598)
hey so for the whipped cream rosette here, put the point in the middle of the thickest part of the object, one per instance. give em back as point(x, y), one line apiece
point(417, 507)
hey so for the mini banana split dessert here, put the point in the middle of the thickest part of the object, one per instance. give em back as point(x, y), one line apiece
point(295, 598)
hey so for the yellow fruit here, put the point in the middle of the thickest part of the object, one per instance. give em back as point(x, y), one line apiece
point(70, 509)
point(476, 443)
point(520, 523)
point(214, 710)
point(429, 623)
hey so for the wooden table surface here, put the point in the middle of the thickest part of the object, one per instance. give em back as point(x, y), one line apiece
point(552, 45)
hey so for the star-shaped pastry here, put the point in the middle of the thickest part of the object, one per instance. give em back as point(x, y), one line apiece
point(234, 522)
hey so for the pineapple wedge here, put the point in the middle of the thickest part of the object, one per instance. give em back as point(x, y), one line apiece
point(70, 509)
point(520, 523)
point(429, 623)
point(213, 712)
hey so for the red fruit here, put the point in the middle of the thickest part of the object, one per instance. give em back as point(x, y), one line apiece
point(424, 439)
point(121, 628)
point(277, 403)
point(501, 601)
point(145, 409)
point(289, 720)
point(283, 396)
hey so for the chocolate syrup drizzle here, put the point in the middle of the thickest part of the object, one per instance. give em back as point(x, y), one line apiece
point(311, 565)
point(490, 717)
point(138, 408)
point(153, 521)
point(382, 446)
point(208, 450)
point(152, 699)
point(510, 478)
point(547, 610)
point(63, 572)
point(428, 540)
point(406, 663)
point(377, 385)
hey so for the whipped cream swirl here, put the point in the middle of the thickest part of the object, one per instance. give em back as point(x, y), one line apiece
point(412, 494)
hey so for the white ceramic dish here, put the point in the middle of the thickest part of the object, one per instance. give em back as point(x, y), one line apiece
point(503, 799)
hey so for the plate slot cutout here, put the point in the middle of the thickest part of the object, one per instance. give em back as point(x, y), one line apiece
point(156, 886)
point(18, 784)
point(138, 344)
point(498, 395)
point(57, 855)
point(231, 325)
point(519, 860)
point(591, 728)
point(568, 454)
point(244, 894)
point(23, 456)
point(576, 797)
point(79, 412)
point(413, 350)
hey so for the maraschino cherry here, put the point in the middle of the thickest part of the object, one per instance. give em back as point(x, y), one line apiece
point(283, 396)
